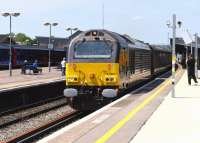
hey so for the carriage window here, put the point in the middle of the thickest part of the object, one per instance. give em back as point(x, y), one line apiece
point(93, 49)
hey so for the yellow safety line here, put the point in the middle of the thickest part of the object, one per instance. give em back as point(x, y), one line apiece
point(131, 114)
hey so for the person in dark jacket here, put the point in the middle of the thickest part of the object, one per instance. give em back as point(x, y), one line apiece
point(35, 64)
point(24, 66)
point(191, 69)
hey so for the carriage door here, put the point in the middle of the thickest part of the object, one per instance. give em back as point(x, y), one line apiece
point(123, 63)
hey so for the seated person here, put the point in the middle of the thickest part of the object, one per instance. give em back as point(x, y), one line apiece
point(35, 67)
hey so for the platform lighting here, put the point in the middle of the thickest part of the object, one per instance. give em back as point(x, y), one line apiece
point(71, 30)
point(6, 14)
point(179, 24)
point(168, 24)
point(173, 26)
point(196, 54)
point(50, 45)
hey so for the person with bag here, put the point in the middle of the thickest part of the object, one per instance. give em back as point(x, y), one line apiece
point(191, 69)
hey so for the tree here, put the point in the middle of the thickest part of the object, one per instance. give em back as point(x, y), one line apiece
point(34, 41)
point(21, 38)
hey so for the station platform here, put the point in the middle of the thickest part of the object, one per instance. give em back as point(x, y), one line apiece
point(177, 120)
point(149, 114)
point(18, 80)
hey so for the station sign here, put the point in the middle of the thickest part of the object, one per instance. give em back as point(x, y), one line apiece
point(50, 46)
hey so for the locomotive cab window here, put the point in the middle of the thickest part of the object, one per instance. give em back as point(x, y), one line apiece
point(93, 49)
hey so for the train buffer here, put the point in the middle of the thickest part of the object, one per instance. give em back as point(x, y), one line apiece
point(18, 80)
point(156, 116)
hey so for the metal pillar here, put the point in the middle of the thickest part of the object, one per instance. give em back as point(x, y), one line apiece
point(173, 49)
point(10, 53)
point(196, 55)
point(186, 54)
point(49, 63)
point(168, 38)
point(103, 15)
point(10, 36)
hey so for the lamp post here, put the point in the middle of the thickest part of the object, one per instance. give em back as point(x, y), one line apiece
point(50, 46)
point(196, 55)
point(173, 26)
point(71, 30)
point(191, 47)
point(10, 36)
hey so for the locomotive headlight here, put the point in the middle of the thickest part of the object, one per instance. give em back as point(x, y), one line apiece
point(72, 79)
point(110, 79)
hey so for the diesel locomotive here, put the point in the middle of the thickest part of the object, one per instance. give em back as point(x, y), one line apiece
point(101, 64)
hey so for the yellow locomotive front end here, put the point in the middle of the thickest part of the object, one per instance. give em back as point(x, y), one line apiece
point(92, 71)
point(98, 76)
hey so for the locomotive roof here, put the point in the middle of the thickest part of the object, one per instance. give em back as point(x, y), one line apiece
point(127, 41)
point(114, 35)
point(123, 40)
point(137, 43)
point(165, 48)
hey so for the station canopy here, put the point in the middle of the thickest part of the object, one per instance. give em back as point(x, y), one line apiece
point(5, 39)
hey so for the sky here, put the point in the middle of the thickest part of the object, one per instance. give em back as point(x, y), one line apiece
point(142, 19)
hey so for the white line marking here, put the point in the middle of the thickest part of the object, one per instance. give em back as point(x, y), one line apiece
point(101, 118)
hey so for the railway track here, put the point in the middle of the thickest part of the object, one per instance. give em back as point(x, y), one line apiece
point(36, 133)
point(37, 124)
point(14, 117)
point(17, 124)
point(23, 107)
point(27, 127)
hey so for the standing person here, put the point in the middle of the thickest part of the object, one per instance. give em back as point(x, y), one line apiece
point(24, 66)
point(183, 63)
point(191, 69)
point(63, 63)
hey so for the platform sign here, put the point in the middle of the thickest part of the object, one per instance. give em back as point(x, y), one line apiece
point(50, 46)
